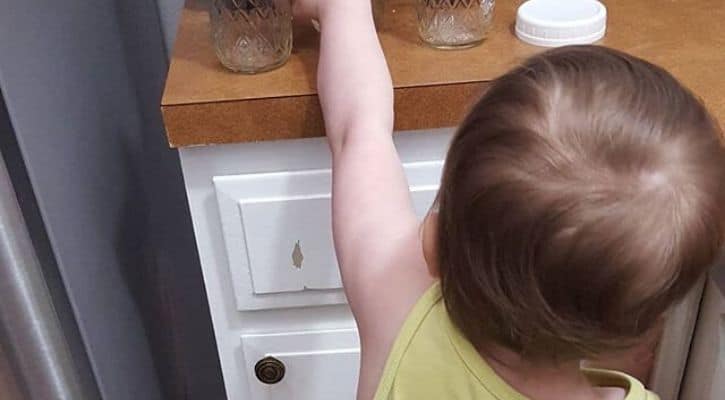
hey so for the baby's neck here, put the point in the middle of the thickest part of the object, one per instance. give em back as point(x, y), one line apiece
point(544, 382)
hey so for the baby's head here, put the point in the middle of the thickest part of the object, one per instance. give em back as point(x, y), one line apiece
point(582, 196)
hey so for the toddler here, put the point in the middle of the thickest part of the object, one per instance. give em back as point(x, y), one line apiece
point(582, 196)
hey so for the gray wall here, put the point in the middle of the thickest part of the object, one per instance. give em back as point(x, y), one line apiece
point(25, 197)
point(184, 340)
point(64, 79)
point(169, 11)
point(82, 82)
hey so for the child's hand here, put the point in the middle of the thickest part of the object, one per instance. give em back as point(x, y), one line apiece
point(306, 10)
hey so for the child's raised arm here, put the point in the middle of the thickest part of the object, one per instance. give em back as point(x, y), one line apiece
point(354, 84)
point(375, 228)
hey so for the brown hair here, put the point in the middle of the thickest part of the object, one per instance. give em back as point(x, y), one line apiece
point(582, 196)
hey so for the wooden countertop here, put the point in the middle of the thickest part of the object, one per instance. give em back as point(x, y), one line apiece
point(205, 104)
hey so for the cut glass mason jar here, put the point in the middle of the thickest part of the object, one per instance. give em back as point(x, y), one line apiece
point(251, 36)
point(450, 24)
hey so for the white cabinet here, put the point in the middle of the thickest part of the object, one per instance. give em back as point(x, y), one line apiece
point(277, 231)
point(314, 365)
point(251, 203)
point(285, 250)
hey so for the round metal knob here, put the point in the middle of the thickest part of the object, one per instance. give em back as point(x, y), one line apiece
point(269, 370)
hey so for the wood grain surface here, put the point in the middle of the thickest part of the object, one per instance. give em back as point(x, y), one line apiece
point(205, 104)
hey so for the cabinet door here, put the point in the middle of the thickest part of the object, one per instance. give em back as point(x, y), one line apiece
point(671, 359)
point(705, 371)
point(288, 245)
point(315, 365)
point(278, 236)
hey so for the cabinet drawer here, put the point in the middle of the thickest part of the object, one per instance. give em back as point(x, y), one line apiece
point(278, 236)
point(315, 365)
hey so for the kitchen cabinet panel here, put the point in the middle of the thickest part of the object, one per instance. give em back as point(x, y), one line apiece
point(315, 365)
point(278, 236)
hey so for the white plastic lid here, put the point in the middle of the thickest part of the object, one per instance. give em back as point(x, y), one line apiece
point(553, 23)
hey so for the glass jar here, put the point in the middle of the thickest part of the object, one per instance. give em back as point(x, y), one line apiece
point(251, 36)
point(450, 24)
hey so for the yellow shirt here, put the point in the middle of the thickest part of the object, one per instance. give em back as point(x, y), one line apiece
point(432, 360)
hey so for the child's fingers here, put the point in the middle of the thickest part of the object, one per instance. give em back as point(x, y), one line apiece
point(304, 10)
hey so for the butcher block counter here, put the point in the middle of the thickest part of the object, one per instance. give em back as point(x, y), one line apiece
point(205, 104)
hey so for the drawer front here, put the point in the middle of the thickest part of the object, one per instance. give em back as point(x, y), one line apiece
point(277, 232)
point(315, 365)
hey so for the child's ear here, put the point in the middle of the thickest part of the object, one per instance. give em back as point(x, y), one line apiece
point(430, 242)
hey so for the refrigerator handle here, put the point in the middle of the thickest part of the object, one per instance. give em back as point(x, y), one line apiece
point(30, 331)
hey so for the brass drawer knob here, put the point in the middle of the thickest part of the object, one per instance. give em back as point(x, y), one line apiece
point(269, 370)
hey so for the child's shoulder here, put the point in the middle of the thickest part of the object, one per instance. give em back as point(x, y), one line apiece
point(432, 360)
